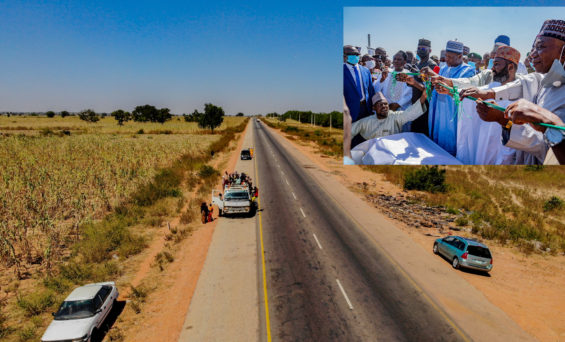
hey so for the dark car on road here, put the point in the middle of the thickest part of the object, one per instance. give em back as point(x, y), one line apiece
point(245, 155)
point(464, 252)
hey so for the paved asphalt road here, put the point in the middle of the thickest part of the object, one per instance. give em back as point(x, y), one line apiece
point(326, 281)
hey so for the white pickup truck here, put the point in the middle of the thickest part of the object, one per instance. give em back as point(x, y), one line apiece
point(237, 199)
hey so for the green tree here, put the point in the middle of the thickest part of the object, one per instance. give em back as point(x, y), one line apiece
point(163, 115)
point(121, 116)
point(150, 113)
point(88, 115)
point(144, 113)
point(64, 114)
point(50, 114)
point(212, 118)
point(239, 114)
point(194, 117)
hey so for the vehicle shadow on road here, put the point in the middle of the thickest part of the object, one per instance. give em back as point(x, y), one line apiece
point(117, 309)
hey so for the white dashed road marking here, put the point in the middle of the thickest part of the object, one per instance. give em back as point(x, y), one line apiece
point(318, 242)
point(344, 294)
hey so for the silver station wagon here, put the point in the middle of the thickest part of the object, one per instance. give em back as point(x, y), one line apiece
point(464, 252)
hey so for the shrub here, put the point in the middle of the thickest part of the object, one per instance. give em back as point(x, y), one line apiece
point(430, 179)
point(88, 115)
point(36, 303)
point(111, 234)
point(461, 221)
point(139, 293)
point(207, 171)
point(27, 333)
point(553, 203)
point(4, 330)
point(188, 216)
point(165, 184)
point(57, 284)
point(141, 131)
point(291, 129)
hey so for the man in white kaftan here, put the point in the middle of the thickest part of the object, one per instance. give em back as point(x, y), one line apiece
point(545, 88)
point(478, 141)
point(387, 122)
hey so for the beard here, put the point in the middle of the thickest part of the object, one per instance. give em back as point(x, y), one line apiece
point(501, 76)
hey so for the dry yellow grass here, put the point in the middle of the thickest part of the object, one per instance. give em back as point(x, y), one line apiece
point(51, 184)
point(106, 125)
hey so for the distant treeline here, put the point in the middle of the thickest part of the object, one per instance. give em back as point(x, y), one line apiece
point(212, 117)
point(320, 119)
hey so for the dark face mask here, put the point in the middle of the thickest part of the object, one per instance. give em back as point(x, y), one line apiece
point(422, 53)
point(502, 76)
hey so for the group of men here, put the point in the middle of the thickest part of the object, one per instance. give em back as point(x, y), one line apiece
point(492, 109)
point(235, 178)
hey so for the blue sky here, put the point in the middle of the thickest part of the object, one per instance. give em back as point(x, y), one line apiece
point(254, 57)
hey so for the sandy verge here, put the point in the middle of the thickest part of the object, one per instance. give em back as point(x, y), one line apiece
point(163, 314)
point(526, 288)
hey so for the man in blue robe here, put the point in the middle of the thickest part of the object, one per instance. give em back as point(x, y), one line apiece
point(442, 118)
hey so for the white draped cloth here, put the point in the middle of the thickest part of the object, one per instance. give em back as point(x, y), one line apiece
point(402, 149)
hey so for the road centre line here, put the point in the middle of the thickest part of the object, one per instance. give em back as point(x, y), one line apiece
point(302, 211)
point(264, 268)
point(318, 242)
point(286, 180)
point(344, 294)
point(293, 195)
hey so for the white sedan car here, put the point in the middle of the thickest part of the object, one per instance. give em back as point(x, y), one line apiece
point(84, 310)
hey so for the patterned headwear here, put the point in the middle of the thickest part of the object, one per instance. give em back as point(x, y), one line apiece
point(508, 53)
point(502, 39)
point(466, 50)
point(378, 97)
point(424, 42)
point(554, 29)
point(442, 54)
point(454, 46)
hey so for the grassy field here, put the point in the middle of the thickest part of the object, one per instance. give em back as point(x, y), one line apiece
point(519, 205)
point(72, 204)
point(106, 125)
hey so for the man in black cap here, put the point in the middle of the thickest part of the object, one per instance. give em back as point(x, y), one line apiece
point(420, 125)
point(357, 87)
point(424, 50)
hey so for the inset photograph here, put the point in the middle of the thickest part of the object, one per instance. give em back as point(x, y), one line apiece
point(421, 88)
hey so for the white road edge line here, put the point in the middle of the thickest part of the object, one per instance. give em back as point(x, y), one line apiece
point(318, 242)
point(344, 294)
point(293, 195)
point(286, 180)
point(302, 211)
